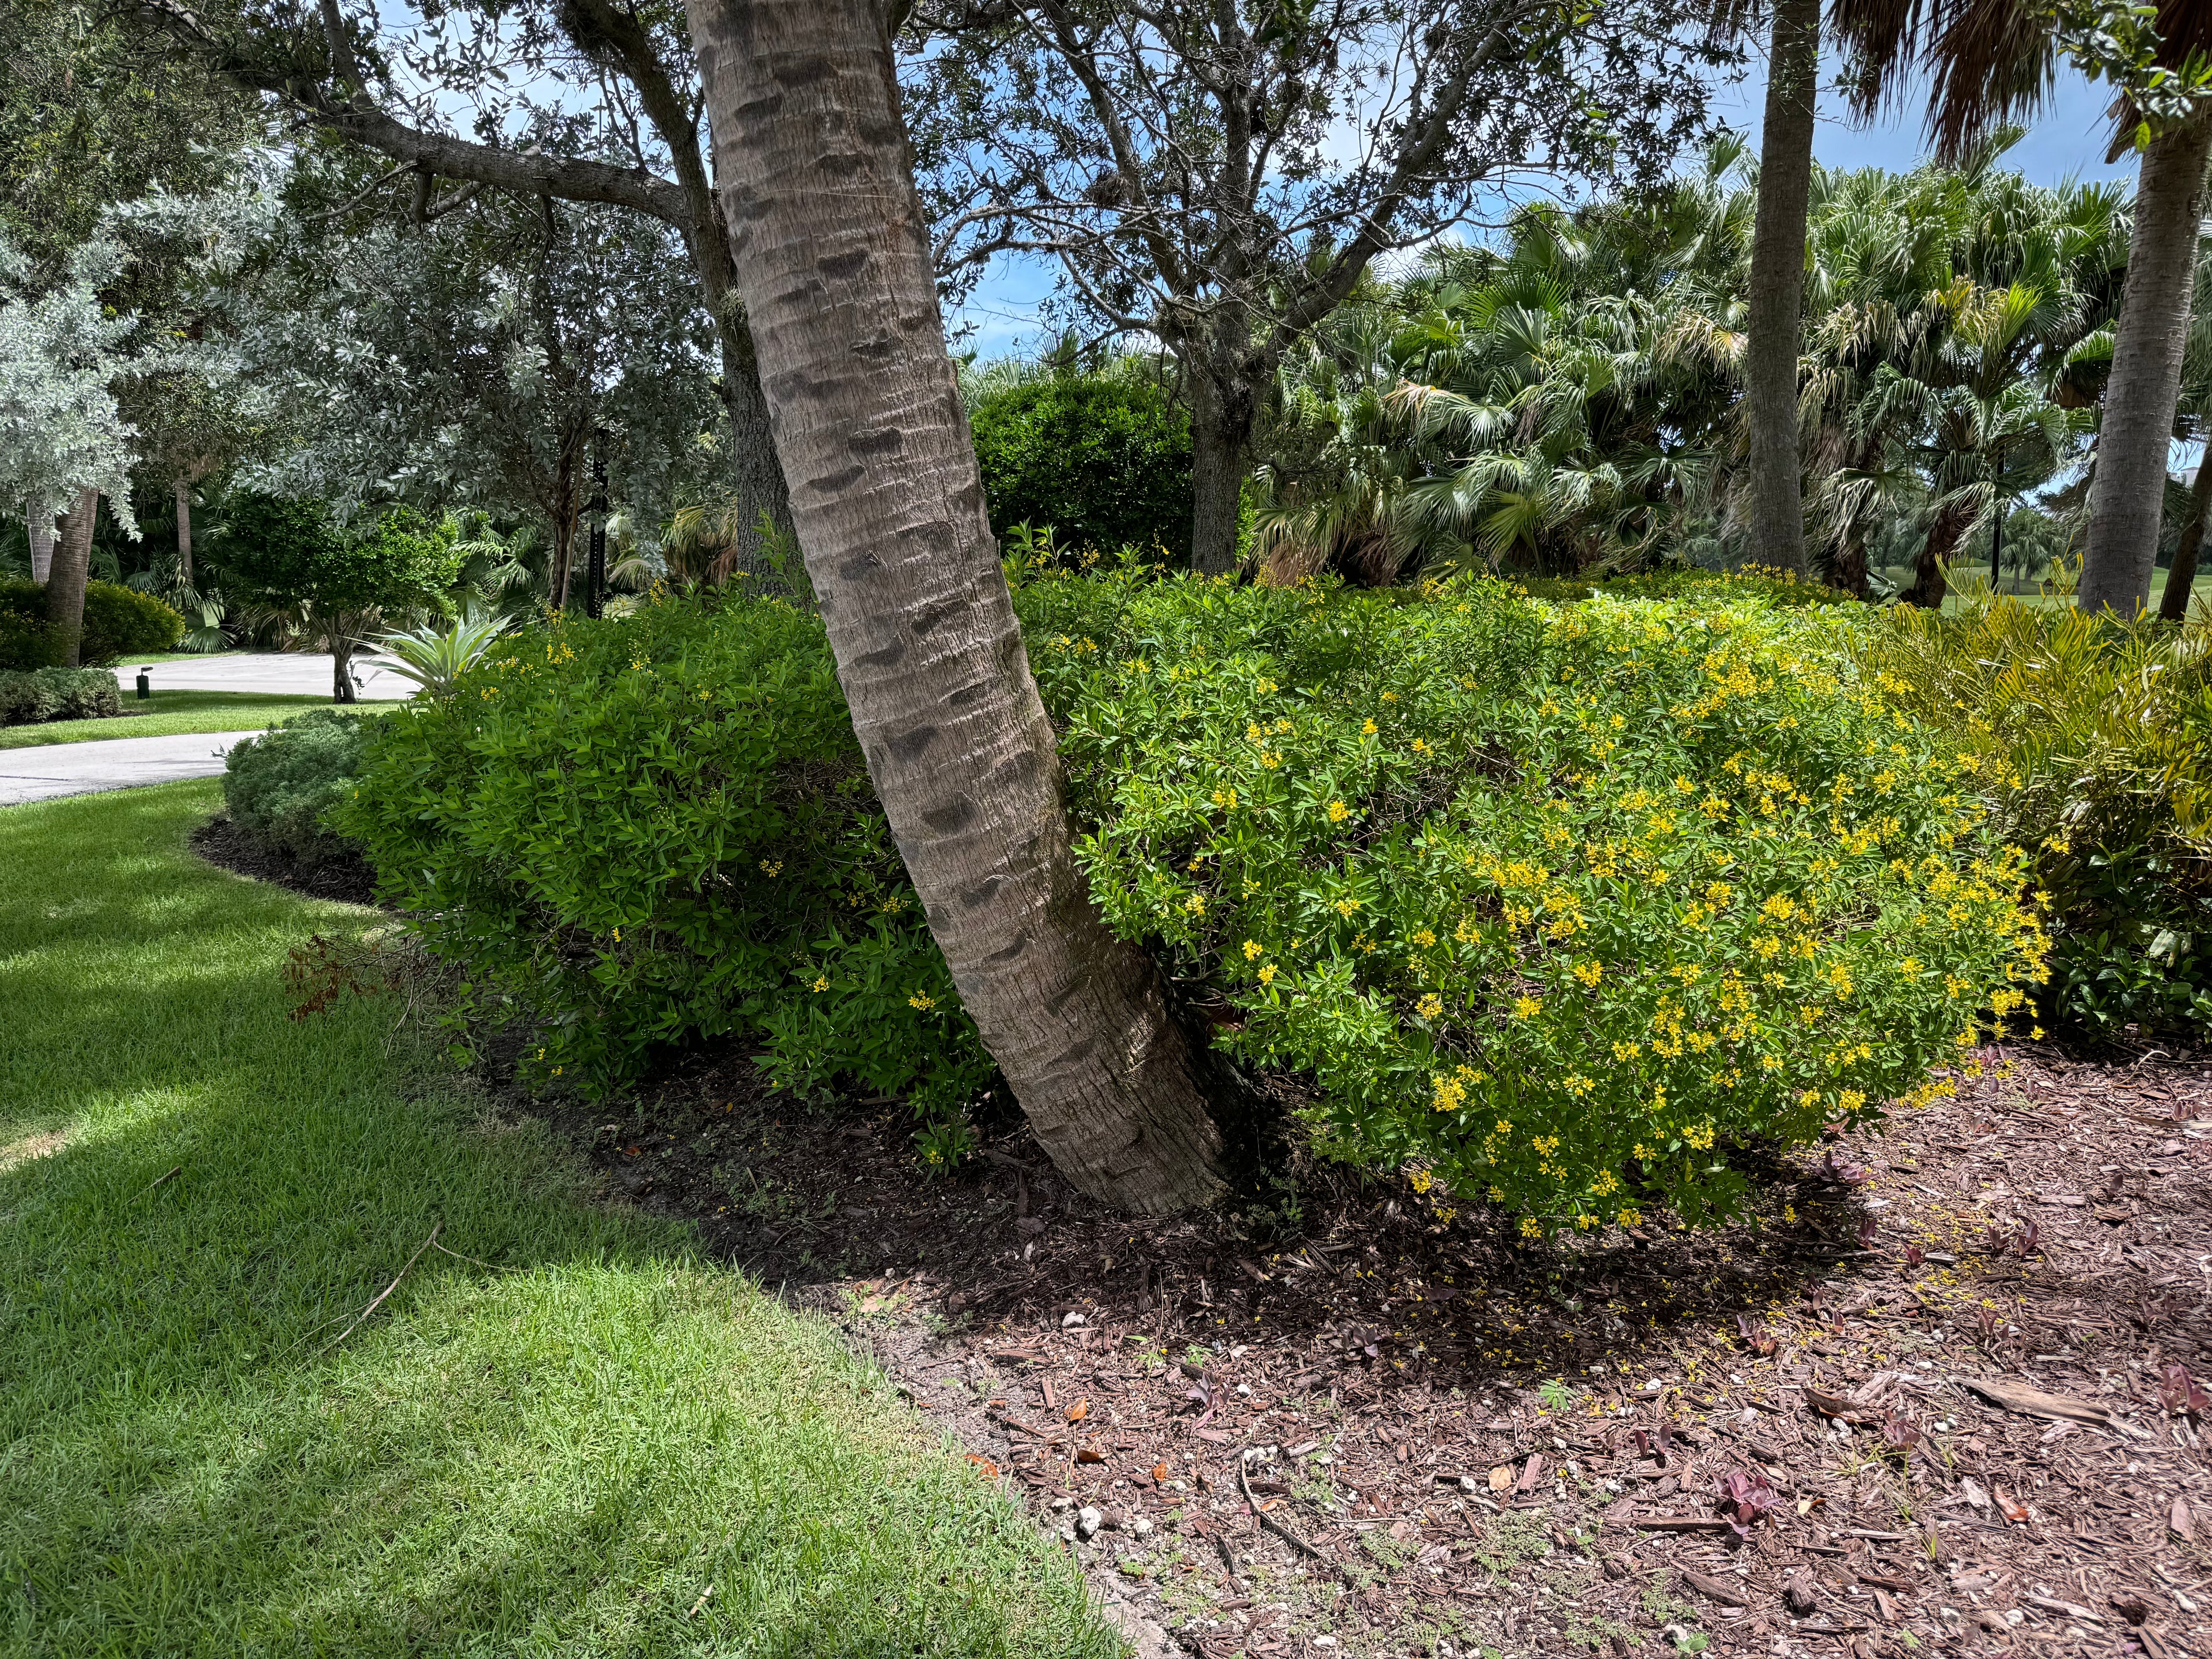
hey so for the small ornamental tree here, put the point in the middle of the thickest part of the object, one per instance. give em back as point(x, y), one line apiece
point(332, 584)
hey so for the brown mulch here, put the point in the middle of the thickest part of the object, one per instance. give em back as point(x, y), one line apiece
point(347, 877)
point(1936, 1366)
point(1455, 1445)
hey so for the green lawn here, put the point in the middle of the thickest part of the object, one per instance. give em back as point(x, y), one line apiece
point(168, 713)
point(556, 1453)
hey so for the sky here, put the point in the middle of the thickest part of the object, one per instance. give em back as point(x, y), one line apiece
point(1001, 317)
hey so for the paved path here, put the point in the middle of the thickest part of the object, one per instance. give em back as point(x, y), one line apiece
point(82, 769)
point(274, 671)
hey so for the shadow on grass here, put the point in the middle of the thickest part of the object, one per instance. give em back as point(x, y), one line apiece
point(584, 1440)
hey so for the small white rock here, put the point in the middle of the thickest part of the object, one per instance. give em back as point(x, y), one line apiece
point(1324, 1641)
point(1072, 1321)
point(1087, 1523)
point(1062, 1501)
point(1466, 1483)
point(1141, 1527)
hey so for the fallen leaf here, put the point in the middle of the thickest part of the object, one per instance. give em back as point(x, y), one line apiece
point(1835, 1405)
point(1078, 1410)
point(2014, 1511)
point(1501, 1477)
point(1089, 1454)
point(1159, 1473)
point(984, 1465)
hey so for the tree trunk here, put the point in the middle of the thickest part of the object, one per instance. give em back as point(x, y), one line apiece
point(1778, 285)
point(2173, 604)
point(828, 239)
point(1220, 436)
point(340, 644)
point(1931, 578)
point(39, 523)
point(65, 581)
point(2128, 492)
point(184, 489)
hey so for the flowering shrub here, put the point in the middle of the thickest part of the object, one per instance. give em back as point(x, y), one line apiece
point(1552, 904)
point(653, 830)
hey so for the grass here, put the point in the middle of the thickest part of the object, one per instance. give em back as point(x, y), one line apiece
point(182, 656)
point(168, 713)
point(554, 1449)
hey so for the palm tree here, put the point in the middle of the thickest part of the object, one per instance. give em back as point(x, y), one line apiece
point(1776, 288)
point(2193, 419)
point(827, 238)
point(1994, 58)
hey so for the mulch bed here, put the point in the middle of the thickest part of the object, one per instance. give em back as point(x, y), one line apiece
point(1935, 1370)
point(347, 877)
point(1931, 1367)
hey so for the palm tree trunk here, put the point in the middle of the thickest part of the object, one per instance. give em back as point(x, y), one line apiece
point(65, 580)
point(183, 486)
point(2173, 603)
point(2128, 492)
point(1777, 286)
point(828, 239)
point(39, 522)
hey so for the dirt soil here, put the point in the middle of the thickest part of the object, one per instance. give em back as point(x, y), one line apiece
point(1934, 1371)
point(1944, 1390)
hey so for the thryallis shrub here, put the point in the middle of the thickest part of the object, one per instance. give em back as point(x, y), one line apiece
point(58, 694)
point(118, 622)
point(279, 786)
point(1554, 905)
point(2095, 736)
point(650, 831)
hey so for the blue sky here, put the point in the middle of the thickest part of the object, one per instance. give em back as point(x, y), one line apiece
point(2068, 142)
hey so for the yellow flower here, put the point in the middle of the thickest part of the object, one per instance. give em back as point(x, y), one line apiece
point(1338, 812)
point(1345, 907)
point(922, 1001)
point(1526, 1007)
point(1631, 1219)
point(1196, 904)
point(1422, 1181)
point(1531, 1228)
point(771, 867)
point(1589, 973)
point(618, 936)
point(1252, 952)
point(1267, 974)
point(1431, 1006)
point(1367, 729)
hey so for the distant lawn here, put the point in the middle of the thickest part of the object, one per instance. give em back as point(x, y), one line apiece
point(168, 714)
point(177, 656)
point(555, 1449)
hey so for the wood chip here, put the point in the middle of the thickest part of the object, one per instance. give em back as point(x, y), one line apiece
point(1717, 1589)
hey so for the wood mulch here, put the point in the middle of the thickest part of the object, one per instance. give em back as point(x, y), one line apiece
point(347, 877)
point(1934, 1373)
point(1944, 1388)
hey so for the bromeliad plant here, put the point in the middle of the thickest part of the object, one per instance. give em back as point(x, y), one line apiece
point(1553, 905)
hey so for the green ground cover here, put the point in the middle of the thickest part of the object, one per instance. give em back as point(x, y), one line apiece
point(168, 714)
point(555, 1448)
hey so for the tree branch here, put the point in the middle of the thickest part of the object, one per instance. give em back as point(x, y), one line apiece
point(528, 173)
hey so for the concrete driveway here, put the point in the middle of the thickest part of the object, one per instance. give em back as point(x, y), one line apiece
point(276, 672)
point(84, 768)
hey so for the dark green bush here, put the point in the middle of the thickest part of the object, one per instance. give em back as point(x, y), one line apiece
point(280, 785)
point(58, 694)
point(1104, 463)
point(653, 830)
point(118, 622)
